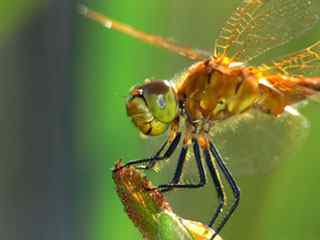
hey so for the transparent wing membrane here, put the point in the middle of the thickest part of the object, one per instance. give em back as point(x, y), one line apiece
point(143, 36)
point(260, 25)
point(255, 142)
point(305, 62)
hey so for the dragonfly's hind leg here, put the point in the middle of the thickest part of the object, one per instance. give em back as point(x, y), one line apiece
point(150, 162)
point(233, 185)
point(174, 183)
point(217, 183)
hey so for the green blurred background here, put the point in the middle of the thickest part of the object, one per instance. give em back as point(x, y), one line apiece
point(64, 82)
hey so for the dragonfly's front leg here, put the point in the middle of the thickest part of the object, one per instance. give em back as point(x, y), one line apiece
point(150, 162)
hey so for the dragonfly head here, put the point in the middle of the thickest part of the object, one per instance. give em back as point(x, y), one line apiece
point(152, 107)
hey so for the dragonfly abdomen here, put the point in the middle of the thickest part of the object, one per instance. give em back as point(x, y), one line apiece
point(277, 92)
point(310, 83)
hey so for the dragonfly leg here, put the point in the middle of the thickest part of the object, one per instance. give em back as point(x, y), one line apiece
point(150, 162)
point(231, 182)
point(172, 147)
point(174, 183)
point(217, 183)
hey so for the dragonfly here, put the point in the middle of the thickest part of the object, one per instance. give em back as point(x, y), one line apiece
point(223, 85)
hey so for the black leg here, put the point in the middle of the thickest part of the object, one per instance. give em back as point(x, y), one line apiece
point(217, 183)
point(172, 147)
point(175, 180)
point(231, 182)
point(155, 158)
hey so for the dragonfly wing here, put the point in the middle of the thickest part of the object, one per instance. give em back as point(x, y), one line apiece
point(305, 62)
point(152, 39)
point(255, 142)
point(260, 25)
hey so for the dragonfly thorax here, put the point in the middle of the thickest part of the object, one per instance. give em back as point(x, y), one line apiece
point(215, 91)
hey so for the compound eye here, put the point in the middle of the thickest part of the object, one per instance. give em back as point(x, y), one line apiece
point(161, 100)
